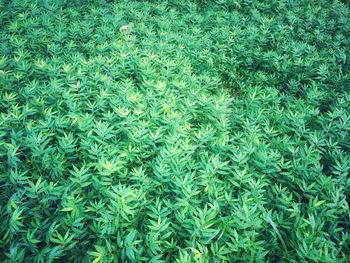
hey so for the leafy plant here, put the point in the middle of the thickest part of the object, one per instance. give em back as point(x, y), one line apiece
point(214, 131)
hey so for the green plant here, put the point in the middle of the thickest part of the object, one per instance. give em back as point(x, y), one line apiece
point(216, 131)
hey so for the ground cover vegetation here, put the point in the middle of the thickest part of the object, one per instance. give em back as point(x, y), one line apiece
point(209, 131)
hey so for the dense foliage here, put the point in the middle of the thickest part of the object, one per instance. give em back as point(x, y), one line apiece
point(213, 131)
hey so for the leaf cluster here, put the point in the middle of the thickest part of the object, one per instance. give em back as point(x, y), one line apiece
point(216, 131)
